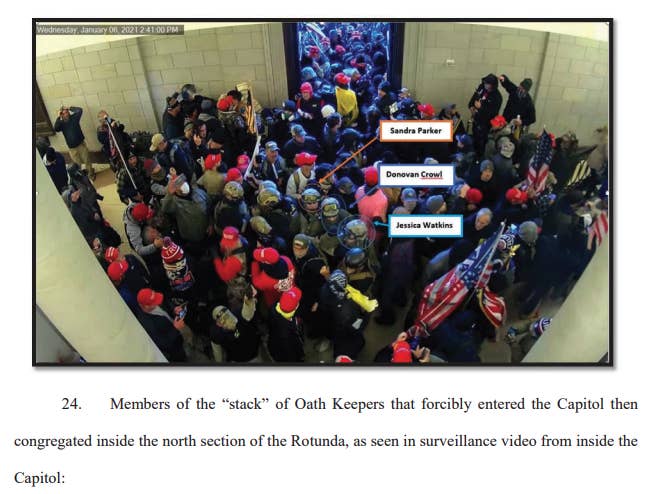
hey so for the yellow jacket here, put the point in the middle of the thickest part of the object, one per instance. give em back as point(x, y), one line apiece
point(346, 101)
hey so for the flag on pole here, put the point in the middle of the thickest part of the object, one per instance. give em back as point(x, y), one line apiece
point(538, 168)
point(492, 305)
point(250, 114)
point(598, 230)
point(444, 295)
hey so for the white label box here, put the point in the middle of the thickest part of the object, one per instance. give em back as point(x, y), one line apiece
point(420, 176)
point(426, 225)
point(416, 131)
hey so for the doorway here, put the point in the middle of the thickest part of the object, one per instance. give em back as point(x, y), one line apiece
point(375, 49)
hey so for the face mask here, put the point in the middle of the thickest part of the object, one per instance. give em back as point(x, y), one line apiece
point(507, 149)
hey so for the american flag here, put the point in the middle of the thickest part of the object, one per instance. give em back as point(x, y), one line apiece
point(538, 169)
point(598, 230)
point(492, 305)
point(444, 295)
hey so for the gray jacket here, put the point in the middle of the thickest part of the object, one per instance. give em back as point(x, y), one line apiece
point(133, 232)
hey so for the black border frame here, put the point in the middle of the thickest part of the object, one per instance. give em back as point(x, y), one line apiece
point(612, 230)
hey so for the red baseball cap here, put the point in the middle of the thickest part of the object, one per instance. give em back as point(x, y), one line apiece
point(141, 212)
point(212, 161)
point(304, 158)
point(289, 300)
point(498, 121)
point(117, 270)
point(306, 88)
point(146, 296)
point(371, 176)
point(233, 174)
point(516, 196)
point(224, 103)
point(266, 256)
point(341, 78)
point(402, 353)
point(427, 109)
point(230, 236)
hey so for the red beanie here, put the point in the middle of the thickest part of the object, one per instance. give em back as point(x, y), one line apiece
point(306, 88)
point(371, 176)
point(402, 353)
point(233, 174)
point(289, 300)
point(111, 254)
point(474, 196)
point(117, 270)
point(171, 252)
point(212, 161)
point(266, 256)
point(340, 49)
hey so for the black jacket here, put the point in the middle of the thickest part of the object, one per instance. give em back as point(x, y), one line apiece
point(167, 338)
point(344, 322)
point(308, 277)
point(518, 104)
point(58, 172)
point(491, 103)
point(292, 148)
point(172, 126)
point(240, 345)
point(285, 338)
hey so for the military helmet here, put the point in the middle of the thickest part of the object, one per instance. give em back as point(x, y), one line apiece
point(233, 191)
point(355, 257)
point(268, 197)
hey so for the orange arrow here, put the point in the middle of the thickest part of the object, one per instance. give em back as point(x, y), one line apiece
point(348, 159)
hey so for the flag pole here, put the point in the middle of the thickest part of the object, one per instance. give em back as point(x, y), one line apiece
point(255, 151)
point(472, 292)
point(120, 152)
point(486, 264)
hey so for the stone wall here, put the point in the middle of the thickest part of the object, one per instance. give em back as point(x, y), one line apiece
point(131, 78)
point(570, 74)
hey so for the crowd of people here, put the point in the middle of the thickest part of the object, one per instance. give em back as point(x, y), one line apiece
point(255, 234)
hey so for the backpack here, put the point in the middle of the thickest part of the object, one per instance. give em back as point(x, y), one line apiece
point(183, 145)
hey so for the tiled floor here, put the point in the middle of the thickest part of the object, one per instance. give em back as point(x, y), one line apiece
point(377, 336)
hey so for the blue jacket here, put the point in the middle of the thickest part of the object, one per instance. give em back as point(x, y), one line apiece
point(71, 128)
